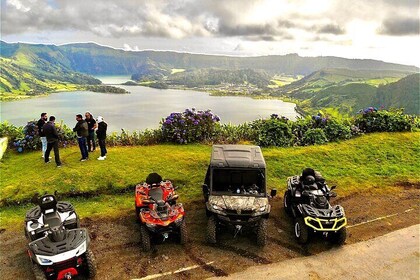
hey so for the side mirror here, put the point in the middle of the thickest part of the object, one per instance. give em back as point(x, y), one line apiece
point(333, 187)
point(176, 187)
point(273, 192)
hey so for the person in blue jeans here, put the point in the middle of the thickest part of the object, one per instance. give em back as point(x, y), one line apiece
point(81, 130)
point(40, 124)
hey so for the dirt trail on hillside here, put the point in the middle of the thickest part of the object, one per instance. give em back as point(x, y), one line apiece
point(116, 242)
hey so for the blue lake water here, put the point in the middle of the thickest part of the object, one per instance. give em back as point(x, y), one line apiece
point(143, 108)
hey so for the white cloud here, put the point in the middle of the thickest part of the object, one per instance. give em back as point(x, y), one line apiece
point(219, 26)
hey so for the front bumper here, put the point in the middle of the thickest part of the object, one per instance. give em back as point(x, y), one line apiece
point(239, 219)
point(333, 224)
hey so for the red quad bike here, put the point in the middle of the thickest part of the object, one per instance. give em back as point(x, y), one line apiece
point(157, 211)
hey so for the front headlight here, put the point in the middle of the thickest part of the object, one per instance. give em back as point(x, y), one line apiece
point(150, 225)
point(81, 249)
point(262, 208)
point(217, 208)
point(43, 261)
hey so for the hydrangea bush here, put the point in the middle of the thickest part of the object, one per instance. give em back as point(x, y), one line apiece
point(189, 126)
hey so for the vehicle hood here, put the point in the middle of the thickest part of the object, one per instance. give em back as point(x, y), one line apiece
point(230, 202)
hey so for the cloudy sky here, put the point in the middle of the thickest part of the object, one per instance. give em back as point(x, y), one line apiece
point(379, 29)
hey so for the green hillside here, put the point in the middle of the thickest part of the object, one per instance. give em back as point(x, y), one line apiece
point(351, 90)
point(92, 59)
point(402, 94)
point(36, 70)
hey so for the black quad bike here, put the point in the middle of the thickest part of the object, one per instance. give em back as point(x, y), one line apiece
point(58, 247)
point(307, 200)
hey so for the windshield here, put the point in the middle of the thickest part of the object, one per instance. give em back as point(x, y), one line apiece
point(238, 181)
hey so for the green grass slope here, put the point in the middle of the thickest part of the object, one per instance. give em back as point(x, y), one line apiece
point(373, 163)
point(375, 160)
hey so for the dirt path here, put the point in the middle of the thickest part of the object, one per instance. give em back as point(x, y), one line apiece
point(115, 242)
point(392, 256)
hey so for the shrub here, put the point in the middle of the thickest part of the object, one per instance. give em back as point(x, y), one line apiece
point(273, 132)
point(232, 134)
point(380, 121)
point(314, 136)
point(337, 130)
point(189, 126)
point(11, 131)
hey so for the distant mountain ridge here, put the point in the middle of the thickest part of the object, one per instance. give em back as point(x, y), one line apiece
point(347, 84)
point(93, 59)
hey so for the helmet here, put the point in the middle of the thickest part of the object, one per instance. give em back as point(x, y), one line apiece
point(153, 178)
point(309, 180)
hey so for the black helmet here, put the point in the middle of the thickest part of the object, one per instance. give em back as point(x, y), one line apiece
point(309, 180)
point(153, 178)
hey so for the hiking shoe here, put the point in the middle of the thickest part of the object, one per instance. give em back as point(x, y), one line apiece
point(101, 158)
point(58, 166)
point(83, 159)
point(48, 161)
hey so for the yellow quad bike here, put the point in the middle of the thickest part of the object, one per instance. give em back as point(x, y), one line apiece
point(307, 201)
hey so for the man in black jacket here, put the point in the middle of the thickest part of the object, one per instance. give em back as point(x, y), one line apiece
point(41, 134)
point(51, 134)
point(101, 134)
point(81, 129)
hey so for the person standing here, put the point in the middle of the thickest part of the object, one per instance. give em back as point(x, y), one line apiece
point(41, 134)
point(51, 135)
point(91, 129)
point(101, 135)
point(81, 129)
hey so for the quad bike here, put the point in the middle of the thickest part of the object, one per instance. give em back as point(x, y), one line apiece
point(58, 247)
point(307, 200)
point(235, 192)
point(158, 212)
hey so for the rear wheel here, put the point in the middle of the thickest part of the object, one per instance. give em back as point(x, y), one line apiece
point(145, 238)
point(286, 203)
point(183, 238)
point(38, 273)
point(301, 231)
point(90, 264)
point(338, 237)
point(211, 230)
point(262, 232)
point(137, 213)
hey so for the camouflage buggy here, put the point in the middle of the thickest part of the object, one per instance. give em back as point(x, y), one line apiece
point(235, 191)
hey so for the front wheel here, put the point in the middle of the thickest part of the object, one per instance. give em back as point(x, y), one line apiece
point(183, 238)
point(301, 231)
point(211, 230)
point(145, 239)
point(286, 203)
point(90, 264)
point(338, 237)
point(38, 273)
point(262, 233)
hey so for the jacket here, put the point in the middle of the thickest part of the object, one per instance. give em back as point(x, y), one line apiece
point(81, 128)
point(101, 132)
point(50, 132)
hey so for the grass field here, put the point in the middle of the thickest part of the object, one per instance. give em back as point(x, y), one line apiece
point(374, 162)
